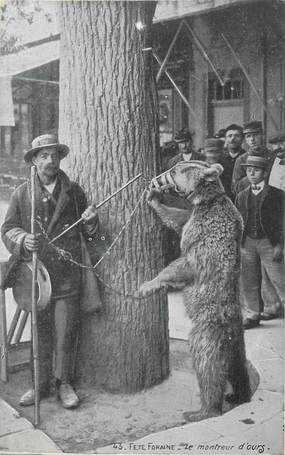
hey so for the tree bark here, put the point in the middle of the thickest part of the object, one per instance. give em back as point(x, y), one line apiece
point(108, 117)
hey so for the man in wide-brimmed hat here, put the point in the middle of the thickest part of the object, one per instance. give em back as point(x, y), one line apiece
point(261, 207)
point(59, 202)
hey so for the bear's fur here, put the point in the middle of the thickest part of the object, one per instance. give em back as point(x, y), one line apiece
point(208, 272)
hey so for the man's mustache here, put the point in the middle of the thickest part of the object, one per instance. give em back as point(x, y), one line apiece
point(50, 167)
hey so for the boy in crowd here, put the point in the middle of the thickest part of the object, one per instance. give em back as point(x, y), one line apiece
point(253, 134)
point(261, 207)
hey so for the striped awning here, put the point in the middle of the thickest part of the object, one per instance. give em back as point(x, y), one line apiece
point(17, 63)
point(167, 10)
point(28, 58)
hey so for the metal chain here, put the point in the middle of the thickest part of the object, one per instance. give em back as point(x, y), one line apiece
point(67, 256)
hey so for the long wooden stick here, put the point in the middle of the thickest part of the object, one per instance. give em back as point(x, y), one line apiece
point(254, 89)
point(3, 330)
point(203, 51)
point(34, 307)
point(96, 207)
point(164, 63)
point(184, 99)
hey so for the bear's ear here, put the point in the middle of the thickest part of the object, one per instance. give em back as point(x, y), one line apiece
point(213, 172)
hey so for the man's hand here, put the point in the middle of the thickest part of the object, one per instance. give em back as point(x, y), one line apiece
point(278, 253)
point(32, 242)
point(89, 214)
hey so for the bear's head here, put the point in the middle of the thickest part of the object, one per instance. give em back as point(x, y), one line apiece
point(191, 177)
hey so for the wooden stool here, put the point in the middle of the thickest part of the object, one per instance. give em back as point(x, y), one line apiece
point(20, 317)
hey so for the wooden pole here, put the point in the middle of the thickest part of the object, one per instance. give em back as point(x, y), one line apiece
point(264, 69)
point(281, 101)
point(3, 330)
point(264, 83)
point(203, 51)
point(34, 307)
point(184, 99)
point(165, 61)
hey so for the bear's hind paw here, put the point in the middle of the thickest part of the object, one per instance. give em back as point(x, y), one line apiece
point(200, 415)
point(235, 399)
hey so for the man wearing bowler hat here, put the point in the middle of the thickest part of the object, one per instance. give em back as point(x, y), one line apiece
point(261, 207)
point(183, 139)
point(59, 202)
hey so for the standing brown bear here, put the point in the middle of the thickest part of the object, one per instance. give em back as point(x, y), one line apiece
point(208, 272)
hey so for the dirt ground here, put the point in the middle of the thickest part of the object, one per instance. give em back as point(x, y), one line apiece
point(104, 418)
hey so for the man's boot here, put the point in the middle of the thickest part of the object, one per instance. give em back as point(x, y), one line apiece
point(28, 399)
point(67, 396)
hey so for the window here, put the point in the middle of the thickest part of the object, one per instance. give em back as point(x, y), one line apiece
point(14, 140)
point(165, 99)
point(5, 140)
point(232, 90)
point(170, 114)
point(226, 103)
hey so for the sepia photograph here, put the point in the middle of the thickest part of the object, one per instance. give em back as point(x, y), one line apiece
point(142, 215)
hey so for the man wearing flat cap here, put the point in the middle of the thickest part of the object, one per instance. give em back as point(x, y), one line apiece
point(233, 150)
point(277, 141)
point(59, 202)
point(261, 207)
point(277, 164)
point(213, 150)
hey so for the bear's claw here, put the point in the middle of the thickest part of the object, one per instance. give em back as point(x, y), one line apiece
point(234, 399)
point(200, 415)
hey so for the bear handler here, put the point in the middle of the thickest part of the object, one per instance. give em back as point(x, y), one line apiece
point(59, 202)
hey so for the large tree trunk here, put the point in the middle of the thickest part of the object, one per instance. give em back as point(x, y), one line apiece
point(108, 118)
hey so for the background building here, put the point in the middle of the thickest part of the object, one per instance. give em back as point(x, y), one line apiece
point(223, 82)
point(256, 32)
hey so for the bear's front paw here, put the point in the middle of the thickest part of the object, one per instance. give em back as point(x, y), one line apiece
point(148, 287)
point(154, 197)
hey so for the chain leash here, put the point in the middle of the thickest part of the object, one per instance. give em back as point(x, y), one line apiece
point(67, 256)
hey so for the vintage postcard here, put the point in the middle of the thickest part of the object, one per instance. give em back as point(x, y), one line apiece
point(142, 291)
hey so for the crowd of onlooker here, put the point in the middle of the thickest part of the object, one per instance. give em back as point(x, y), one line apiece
point(248, 182)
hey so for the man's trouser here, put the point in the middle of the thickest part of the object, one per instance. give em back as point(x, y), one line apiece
point(57, 331)
point(269, 295)
point(255, 255)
